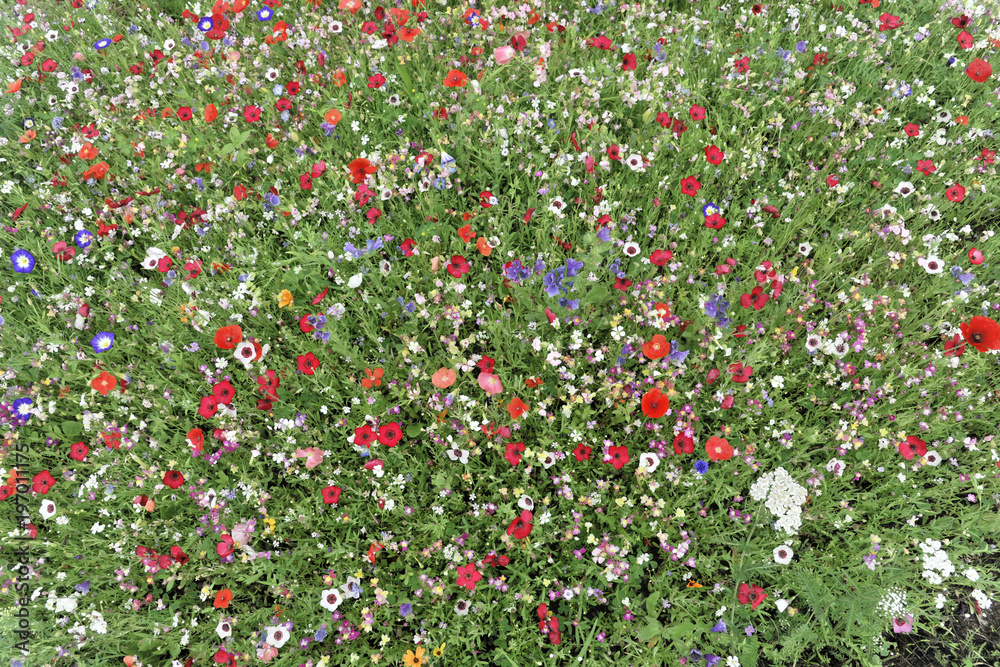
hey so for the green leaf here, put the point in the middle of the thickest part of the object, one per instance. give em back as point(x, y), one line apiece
point(413, 430)
point(652, 630)
point(72, 429)
point(651, 603)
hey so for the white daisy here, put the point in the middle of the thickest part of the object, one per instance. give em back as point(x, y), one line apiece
point(783, 555)
point(277, 636)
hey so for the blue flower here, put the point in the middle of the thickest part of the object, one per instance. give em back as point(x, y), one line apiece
point(102, 43)
point(265, 14)
point(719, 627)
point(710, 208)
point(604, 234)
point(405, 609)
point(573, 267)
point(676, 354)
point(102, 342)
point(801, 47)
point(23, 261)
point(205, 24)
point(84, 587)
point(320, 634)
point(552, 282)
point(83, 238)
point(965, 278)
point(712, 660)
point(571, 304)
point(701, 467)
point(21, 408)
point(660, 55)
point(27, 123)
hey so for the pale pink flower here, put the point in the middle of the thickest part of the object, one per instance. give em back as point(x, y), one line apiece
point(490, 383)
point(503, 54)
point(267, 653)
point(314, 456)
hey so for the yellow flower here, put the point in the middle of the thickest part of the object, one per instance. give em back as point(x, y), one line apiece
point(439, 651)
point(411, 659)
point(285, 299)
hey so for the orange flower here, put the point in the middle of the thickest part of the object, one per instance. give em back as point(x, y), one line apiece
point(350, 5)
point(665, 308)
point(964, 120)
point(718, 449)
point(285, 299)
point(339, 78)
point(222, 598)
point(14, 87)
point(656, 348)
point(228, 337)
point(517, 408)
point(211, 113)
point(88, 152)
point(27, 136)
point(401, 15)
point(166, 113)
point(466, 233)
point(455, 79)
point(104, 383)
point(444, 378)
point(333, 116)
point(655, 404)
point(97, 171)
point(359, 168)
point(484, 247)
point(374, 378)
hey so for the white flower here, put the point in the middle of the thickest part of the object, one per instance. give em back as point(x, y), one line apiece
point(65, 604)
point(634, 161)
point(648, 461)
point(631, 249)
point(277, 636)
point(943, 116)
point(557, 205)
point(932, 458)
point(971, 575)
point(733, 661)
point(458, 454)
point(271, 74)
point(385, 267)
point(837, 347)
point(462, 608)
point(48, 509)
point(813, 343)
point(330, 599)
point(355, 281)
point(245, 353)
point(169, 45)
point(905, 188)
point(97, 623)
point(777, 382)
point(336, 27)
point(931, 264)
point(526, 503)
point(805, 249)
point(548, 460)
point(98, 527)
point(783, 555)
point(940, 600)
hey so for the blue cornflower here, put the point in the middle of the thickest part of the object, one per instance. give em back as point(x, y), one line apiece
point(102, 342)
point(265, 14)
point(102, 43)
point(784, 54)
point(206, 24)
point(83, 238)
point(710, 208)
point(23, 261)
point(539, 265)
point(21, 408)
point(701, 467)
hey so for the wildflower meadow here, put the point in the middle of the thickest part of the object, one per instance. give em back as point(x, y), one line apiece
point(439, 332)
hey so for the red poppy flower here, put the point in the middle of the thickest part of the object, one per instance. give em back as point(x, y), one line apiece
point(911, 130)
point(178, 556)
point(655, 404)
point(457, 267)
point(78, 451)
point(331, 495)
point(715, 221)
point(745, 594)
point(718, 449)
point(521, 527)
point(976, 256)
point(961, 21)
point(628, 62)
point(228, 337)
point(389, 434)
point(926, 167)
point(889, 22)
point(741, 373)
point(513, 452)
point(683, 444)
point(619, 456)
point(755, 298)
point(304, 324)
point(408, 246)
point(955, 193)
point(517, 408)
point(42, 482)
point(657, 348)
point(613, 152)
point(742, 65)
point(982, 333)
point(184, 113)
point(601, 42)
point(251, 114)
point(713, 154)
point(690, 186)
point(208, 407)
point(622, 284)
point(582, 452)
point(173, 479)
point(359, 169)
point(223, 598)
point(456, 79)
point(308, 363)
point(364, 436)
point(697, 112)
point(965, 40)
point(979, 70)
point(376, 81)
point(104, 383)
point(954, 347)
point(223, 392)
point(660, 257)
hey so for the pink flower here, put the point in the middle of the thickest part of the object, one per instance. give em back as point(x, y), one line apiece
point(267, 652)
point(901, 626)
point(467, 576)
point(503, 54)
point(314, 456)
point(490, 383)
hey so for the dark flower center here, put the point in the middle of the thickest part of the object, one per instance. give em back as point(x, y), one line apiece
point(977, 337)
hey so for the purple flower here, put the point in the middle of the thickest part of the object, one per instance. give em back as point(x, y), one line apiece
point(405, 609)
point(719, 627)
point(750, 630)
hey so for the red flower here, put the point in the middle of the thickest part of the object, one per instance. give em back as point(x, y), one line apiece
point(179, 556)
point(690, 186)
point(697, 112)
point(660, 257)
point(582, 452)
point(613, 152)
point(718, 449)
point(621, 284)
point(457, 267)
point(683, 444)
point(223, 392)
point(516, 408)
point(976, 256)
point(251, 114)
point(965, 40)
point(305, 182)
point(745, 594)
point(359, 168)
point(926, 167)
point(467, 576)
point(226, 546)
point(184, 113)
point(906, 448)
point(228, 337)
point(78, 451)
point(715, 221)
point(979, 70)
point(832, 181)
point(304, 325)
point(889, 22)
point(657, 348)
point(456, 79)
point(209, 406)
point(331, 495)
point(42, 482)
point(408, 246)
point(520, 527)
point(742, 65)
point(960, 21)
point(740, 372)
point(173, 479)
point(513, 452)
point(601, 42)
point(713, 154)
point(628, 62)
point(376, 81)
point(912, 130)
point(619, 456)
point(389, 434)
point(954, 347)
point(308, 363)
point(955, 193)
point(364, 436)
point(982, 333)
point(821, 59)
point(756, 298)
